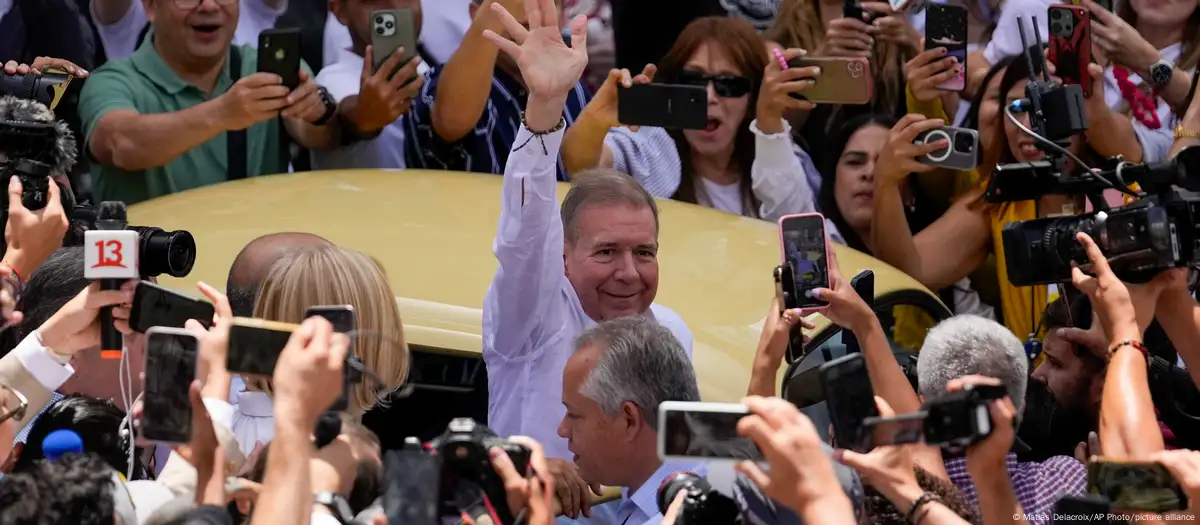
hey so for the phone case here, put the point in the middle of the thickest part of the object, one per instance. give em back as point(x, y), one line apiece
point(946, 26)
point(1070, 47)
point(842, 80)
point(279, 53)
point(179, 430)
point(663, 106)
point(690, 406)
point(802, 301)
point(848, 407)
point(392, 29)
point(961, 155)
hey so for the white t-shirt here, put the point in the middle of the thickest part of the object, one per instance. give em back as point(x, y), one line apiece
point(727, 198)
point(385, 151)
point(121, 38)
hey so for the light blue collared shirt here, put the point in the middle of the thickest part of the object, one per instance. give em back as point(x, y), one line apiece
point(639, 506)
point(531, 313)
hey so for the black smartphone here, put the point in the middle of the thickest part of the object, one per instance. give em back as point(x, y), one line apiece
point(850, 398)
point(899, 430)
point(170, 368)
point(946, 26)
point(663, 106)
point(804, 246)
point(255, 345)
point(706, 431)
point(412, 478)
point(864, 286)
point(155, 305)
point(1073, 509)
point(279, 53)
point(1132, 485)
point(343, 319)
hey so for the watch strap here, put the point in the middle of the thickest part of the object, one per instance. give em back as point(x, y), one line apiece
point(336, 504)
point(330, 106)
point(1160, 74)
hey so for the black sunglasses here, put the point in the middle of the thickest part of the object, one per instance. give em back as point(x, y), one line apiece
point(731, 86)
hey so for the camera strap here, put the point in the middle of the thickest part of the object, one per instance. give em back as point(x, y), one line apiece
point(472, 501)
point(236, 139)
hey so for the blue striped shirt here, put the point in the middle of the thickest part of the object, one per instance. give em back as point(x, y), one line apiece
point(24, 433)
point(484, 149)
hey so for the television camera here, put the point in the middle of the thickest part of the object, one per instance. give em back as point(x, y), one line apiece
point(1140, 240)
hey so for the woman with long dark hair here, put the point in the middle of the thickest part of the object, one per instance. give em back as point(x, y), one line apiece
point(743, 162)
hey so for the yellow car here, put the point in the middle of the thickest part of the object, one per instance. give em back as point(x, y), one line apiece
point(433, 231)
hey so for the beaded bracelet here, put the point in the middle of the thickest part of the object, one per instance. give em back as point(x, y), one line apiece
point(925, 498)
point(562, 123)
point(1136, 345)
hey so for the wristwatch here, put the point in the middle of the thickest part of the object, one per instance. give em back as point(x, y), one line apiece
point(330, 106)
point(1160, 74)
point(336, 504)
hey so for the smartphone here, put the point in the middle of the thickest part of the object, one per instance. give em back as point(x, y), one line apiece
point(853, 9)
point(842, 80)
point(255, 345)
point(946, 26)
point(864, 286)
point(962, 154)
point(344, 321)
point(663, 106)
point(279, 53)
point(1070, 47)
point(805, 247)
point(1069, 509)
point(155, 305)
point(1106, 4)
point(898, 430)
point(849, 396)
point(392, 29)
point(708, 431)
point(1135, 485)
point(169, 370)
point(412, 480)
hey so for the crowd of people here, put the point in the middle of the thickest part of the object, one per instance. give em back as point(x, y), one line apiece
point(578, 355)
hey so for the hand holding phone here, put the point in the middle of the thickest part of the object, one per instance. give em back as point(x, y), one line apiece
point(841, 80)
point(962, 153)
point(900, 153)
point(279, 54)
point(155, 305)
point(804, 247)
point(708, 431)
point(850, 398)
point(783, 87)
point(170, 368)
point(665, 106)
point(929, 69)
point(848, 36)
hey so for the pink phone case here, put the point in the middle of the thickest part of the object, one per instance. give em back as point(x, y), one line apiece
point(783, 245)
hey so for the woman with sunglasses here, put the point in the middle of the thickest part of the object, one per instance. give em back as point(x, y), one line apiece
point(738, 163)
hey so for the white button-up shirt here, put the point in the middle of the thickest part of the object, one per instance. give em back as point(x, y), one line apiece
point(532, 314)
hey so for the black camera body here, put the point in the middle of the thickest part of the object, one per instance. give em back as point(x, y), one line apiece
point(701, 506)
point(24, 145)
point(469, 484)
point(961, 418)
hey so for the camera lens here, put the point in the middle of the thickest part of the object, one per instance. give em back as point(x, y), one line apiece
point(964, 143)
point(378, 30)
point(172, 253)
point(379, 20)
point(389, 25)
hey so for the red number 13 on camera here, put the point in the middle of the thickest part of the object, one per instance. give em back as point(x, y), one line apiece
point(110, 254)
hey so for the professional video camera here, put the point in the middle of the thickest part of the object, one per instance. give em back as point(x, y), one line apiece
point(469, 486)
point(33, 147)
point(159, 251)
point(953, 421)
point(1139, 240)
point(702, 505)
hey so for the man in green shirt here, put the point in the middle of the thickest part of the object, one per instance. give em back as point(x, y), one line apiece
point(157, 122)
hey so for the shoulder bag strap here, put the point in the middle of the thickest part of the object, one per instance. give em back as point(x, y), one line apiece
point(236, 139)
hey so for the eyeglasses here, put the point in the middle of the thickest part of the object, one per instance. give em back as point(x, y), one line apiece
point(19, 411)
point(192, 4)
point(731, 86)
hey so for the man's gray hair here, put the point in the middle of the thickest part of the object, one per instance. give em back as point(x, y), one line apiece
point(600, 187)
point(640, 362)
point(966, 345)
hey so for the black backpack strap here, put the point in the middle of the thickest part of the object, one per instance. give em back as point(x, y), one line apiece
point(236, 140)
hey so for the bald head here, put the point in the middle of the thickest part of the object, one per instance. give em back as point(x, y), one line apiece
point(253, 263)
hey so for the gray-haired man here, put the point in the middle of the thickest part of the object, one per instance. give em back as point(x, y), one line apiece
point(970, 345)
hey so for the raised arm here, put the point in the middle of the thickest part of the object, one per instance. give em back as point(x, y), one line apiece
point(529, 242)
point(584, 146)
point(466, 79)
point(783, 177)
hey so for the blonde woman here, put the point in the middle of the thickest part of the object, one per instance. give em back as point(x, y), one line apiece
point(328, 275)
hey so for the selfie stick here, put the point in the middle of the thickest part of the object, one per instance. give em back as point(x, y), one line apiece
point(111, 256)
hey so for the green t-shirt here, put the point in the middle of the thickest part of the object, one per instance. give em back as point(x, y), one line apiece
point(144, 83)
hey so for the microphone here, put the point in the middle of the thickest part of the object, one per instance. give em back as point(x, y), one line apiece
point(60, 443)
point(111, 256)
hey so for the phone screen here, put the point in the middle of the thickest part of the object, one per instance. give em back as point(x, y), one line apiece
point(411, 494)
point(705, 433)
point(344, 321)
point(804, 248)
point(900, 430)
point(254, 350)
point(849, 396)
point(1136, 486)
point(946, 26)
point(170, 369)
point(154, 305)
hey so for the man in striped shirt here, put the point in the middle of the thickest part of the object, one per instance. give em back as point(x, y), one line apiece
point(480, 99)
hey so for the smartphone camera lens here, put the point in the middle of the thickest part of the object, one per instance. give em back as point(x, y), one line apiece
point(963, 143)
point(389, 25)
point(379, 20)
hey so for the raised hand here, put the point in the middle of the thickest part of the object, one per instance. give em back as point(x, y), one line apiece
point(253, 99)
point(899, 155)
point(550, 67)
point(1111, 300)
point(604, 104)
point(927, 70)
